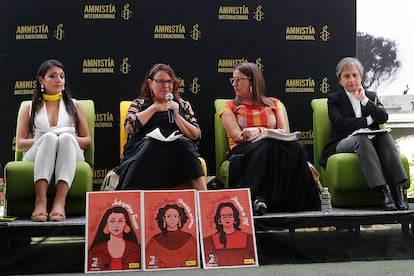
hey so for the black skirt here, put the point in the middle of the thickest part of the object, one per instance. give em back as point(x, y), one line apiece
point(276, 171)
point(153, 164)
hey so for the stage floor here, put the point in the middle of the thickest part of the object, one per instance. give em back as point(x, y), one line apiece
point(282, 238)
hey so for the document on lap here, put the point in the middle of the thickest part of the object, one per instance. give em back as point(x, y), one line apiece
point(156, 134)
point(273, 134)
point(370, 131)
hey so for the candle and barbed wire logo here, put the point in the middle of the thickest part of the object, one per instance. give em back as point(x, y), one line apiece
point(59, 33)
point(195, 33)
point(325, 35)
point(259, 64)
point(195, 86)
point(126, 13)
point(258, 14)
point(125, 67)
point(324, 87)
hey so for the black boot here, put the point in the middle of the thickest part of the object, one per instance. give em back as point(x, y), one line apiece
point(400, 197)
point(388, 203)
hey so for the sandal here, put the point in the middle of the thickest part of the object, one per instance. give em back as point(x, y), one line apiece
point(39, 217)
point(55, 216)
point(259, 207)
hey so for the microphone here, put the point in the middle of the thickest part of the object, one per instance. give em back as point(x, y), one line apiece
point(169, 97)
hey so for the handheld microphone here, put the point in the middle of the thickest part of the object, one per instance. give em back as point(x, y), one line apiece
point(169, 97)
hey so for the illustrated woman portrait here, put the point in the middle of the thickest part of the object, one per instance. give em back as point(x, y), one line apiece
point(172, 247)
point(229, 246)
point(115, 246)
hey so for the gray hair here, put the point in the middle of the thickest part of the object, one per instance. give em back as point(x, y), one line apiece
point(347, 62)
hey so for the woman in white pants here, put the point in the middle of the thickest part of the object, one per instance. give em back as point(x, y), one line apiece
point(52, 133)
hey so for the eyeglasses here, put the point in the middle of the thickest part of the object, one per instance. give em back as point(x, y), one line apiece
point(229, 215)
point(238, 80)
point(163, 82)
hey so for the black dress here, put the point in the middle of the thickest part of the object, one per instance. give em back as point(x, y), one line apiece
point(276, 171)
point(148, 163)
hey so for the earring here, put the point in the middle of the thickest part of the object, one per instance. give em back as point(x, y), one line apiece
point(251, 89)
point(164, 225)
point(106, 230)
point(179, 224)
point(127, 229)
point(151, 92)
point(42, 88)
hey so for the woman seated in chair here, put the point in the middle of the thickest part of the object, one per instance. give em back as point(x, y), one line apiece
point(277, 172)
point(148, 163)
point(52, 133)
point(353, 109)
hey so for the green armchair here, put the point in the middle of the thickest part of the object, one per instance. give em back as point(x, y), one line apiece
point(342, 174)
point(18, 176)
point(222, 142)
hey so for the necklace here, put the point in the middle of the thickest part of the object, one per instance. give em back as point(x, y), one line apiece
point(52, 98)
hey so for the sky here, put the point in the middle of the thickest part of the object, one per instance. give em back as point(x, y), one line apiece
point(391, 19)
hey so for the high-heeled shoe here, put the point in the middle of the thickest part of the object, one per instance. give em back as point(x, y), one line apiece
point(259, 207)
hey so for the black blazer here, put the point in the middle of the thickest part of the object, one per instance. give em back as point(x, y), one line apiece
point(344, 122)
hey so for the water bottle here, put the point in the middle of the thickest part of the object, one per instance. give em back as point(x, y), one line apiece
point(326, 204)
point(3, 209)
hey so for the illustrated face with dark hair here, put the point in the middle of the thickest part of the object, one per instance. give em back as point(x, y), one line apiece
point(226, 217)
point(116, 223)
point(171, 219)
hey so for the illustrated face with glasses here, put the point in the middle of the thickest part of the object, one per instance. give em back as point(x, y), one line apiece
point(238, 80)
point(226, 213)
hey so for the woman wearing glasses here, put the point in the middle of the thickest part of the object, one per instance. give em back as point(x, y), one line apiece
point(276, 171)
point(229, 246)
point(149, 163)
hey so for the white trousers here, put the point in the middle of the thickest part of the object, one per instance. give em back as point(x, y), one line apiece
point(53, 153)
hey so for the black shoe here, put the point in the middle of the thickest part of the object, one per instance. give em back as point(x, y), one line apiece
point(400, 196)
point(259, 207)
point(388, 203)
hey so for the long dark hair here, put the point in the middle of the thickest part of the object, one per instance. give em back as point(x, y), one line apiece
point(258, 84)
point(101, 237)
point(219, 226)
point(161, 213)
point(37, 99)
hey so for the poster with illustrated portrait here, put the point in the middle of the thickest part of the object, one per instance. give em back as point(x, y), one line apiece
point(170, 230)
point(227, 228)
point(113, 231)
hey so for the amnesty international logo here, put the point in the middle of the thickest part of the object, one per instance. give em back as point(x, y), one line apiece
point(59, 33)
point(98, 65)
point(169, 31)
point(32, 32)
point(259, 64)
point(195, 86)
point(325, 34)
point(125, 67)
point(324, 87)
point(107, 11)
point(226, 65)
point(306, 33)
point(300, 85)
point(104, 120)
point(24, 87)
point(126, 13)
point(258, 14)
point(195, 33)
point(233, 13)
